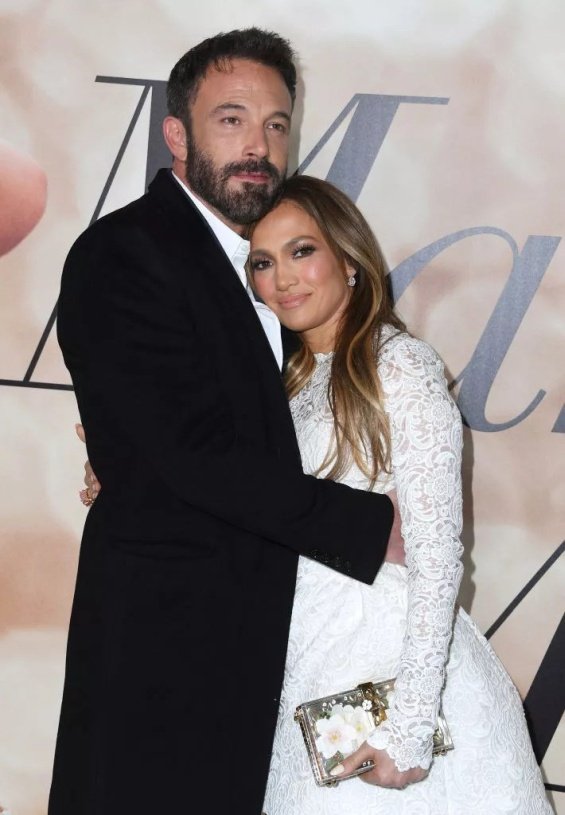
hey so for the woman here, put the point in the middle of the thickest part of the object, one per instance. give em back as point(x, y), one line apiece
point(371, 409)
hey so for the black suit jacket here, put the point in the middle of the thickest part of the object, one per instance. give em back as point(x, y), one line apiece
point(188, 560)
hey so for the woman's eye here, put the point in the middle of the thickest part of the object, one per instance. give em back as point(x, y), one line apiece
point(259, 265)
point(303, 251)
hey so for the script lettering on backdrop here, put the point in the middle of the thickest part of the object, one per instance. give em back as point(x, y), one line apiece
point(369, 124)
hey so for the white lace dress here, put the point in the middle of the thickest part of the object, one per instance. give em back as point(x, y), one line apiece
point(344, 632)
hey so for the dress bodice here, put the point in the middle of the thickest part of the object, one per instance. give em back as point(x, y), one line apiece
point(313, 423)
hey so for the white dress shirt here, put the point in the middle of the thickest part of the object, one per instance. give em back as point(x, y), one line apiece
point(237, 250)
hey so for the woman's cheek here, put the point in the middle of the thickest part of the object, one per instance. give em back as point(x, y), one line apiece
point(264, 288)
point(318, 274)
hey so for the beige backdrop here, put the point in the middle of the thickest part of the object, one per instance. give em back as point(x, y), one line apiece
point(491, 157)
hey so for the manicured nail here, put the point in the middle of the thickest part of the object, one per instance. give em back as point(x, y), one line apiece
point(337, 770)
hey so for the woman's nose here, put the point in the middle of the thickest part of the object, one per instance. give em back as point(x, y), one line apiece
point(284, 276)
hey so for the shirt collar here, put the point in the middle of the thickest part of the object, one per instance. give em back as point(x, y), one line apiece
point(235, 247)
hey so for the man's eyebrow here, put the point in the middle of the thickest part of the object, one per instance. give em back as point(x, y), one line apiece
point(229, 106)
point(280, 114)
point(277, 114)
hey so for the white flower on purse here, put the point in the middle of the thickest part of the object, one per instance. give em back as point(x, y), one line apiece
point(360, 719)
point(336, 736)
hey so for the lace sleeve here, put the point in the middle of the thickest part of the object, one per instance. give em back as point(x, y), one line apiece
point(426, 438)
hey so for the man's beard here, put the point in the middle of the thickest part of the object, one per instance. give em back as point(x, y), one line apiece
point(210, 183)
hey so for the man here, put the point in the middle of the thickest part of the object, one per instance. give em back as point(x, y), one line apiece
point(188, 561)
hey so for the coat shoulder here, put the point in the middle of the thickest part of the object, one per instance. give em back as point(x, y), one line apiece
point(115, 226)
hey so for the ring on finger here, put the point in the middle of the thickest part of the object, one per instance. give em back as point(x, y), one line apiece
point(85, 498)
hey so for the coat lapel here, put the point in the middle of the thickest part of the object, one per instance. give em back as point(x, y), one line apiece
point(195, 247)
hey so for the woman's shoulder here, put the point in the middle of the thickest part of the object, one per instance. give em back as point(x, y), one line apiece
point(401, 350)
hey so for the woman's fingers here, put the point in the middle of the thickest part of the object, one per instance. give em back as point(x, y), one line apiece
point(384, 772)
point(93, 486)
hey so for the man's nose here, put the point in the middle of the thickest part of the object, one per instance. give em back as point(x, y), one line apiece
point(257, 144)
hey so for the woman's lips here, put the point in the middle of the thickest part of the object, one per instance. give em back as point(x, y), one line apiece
point(293, 301)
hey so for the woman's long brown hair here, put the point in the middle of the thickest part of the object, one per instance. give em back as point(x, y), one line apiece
point(361, 426)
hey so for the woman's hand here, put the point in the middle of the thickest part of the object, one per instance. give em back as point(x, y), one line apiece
point(93, 486)
point(384, 773)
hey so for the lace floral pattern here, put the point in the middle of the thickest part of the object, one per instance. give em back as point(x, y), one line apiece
point(426, 437)
point(344, 632)
point(426, 441)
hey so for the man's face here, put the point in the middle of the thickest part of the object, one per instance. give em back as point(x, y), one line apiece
point(237, 140)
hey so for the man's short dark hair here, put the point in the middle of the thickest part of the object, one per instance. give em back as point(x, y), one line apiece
point(253, 44)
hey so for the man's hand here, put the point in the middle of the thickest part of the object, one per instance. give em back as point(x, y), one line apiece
point(383, 774)
point(395, 548)
point(93, 486)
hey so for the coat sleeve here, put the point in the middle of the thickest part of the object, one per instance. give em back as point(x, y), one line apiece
point(129, 351)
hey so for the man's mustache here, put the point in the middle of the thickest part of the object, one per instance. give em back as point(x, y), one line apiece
point(251, 166)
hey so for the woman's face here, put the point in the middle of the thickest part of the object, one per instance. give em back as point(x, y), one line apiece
point(298, 276)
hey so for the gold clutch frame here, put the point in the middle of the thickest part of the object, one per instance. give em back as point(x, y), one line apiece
point(365, 706)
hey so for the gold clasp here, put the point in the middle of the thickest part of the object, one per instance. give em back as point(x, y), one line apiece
point(377, 702)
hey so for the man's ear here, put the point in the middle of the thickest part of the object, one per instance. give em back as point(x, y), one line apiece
point(175, 137)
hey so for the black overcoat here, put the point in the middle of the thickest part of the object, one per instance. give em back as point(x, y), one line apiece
point(187, 567)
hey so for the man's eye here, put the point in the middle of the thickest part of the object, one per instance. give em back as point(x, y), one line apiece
point(230, 120)
point(278, 126)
